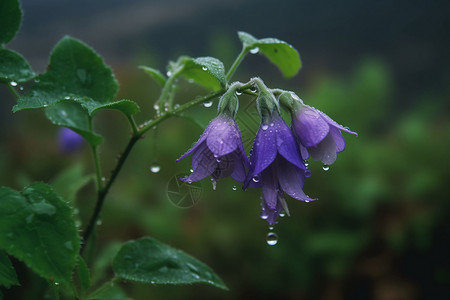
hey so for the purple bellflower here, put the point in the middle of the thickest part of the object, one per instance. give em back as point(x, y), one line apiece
point(69, 141)
point(276, 164)
point(317, 134)
point(219, 152)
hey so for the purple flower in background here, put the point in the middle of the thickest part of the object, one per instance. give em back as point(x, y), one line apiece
point(277, 167)
point(69, 141)
point(218, 153)
point(318, 135)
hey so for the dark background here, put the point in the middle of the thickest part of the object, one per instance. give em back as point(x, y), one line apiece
point(380, 229)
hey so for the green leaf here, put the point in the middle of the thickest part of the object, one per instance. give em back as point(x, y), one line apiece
point(75, 72)
point(127, 107)
point(155, 74)
point(206, 71)
point(149, 261)
point(13, 67)
point(36, 226)
point(83, 275)
point(70, 181)
point(8, 275)
point(71, 115)
point(10, 19)
point(283, 55)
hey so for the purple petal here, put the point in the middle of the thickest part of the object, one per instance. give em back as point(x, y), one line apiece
point(338, 139)
point(310, 127)
point(291, 179)
point(198, 143)
point(264, 149)
point(325, 151)
point(198, 154)
point(224, 136)
point(333, 123)
point(225, 166)
point(206, 166)
point(269, 188)
point(239, 169)
point(286, 144)
point(304, 152)
point(270, 215)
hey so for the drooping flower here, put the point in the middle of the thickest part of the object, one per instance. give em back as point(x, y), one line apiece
point(277, 167)
point(317, 134)
point(276, 164)
point(69, 141)
point(219, 152)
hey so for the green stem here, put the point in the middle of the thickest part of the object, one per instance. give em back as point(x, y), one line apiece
point(167, 89)
point(98, 170)
point(140, 131)
point(237, 62)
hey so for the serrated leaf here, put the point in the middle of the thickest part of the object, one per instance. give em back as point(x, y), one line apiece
point(150, 261)
point(36, 226)
point(13, 67)
point(206, 71)
point(155, 74)
point(75, 72)
point(10, 19)
point(280, 53)
point(8, 276)
point(71, 115)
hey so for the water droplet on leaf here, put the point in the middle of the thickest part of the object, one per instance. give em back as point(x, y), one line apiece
point(204, 68)
point(155, 168)
point(272, 239)
point(13, 83)
point(169, 73)
point(254, 50)
point(207, 104)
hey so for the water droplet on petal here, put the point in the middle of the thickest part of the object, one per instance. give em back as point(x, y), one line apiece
point(234, 187)
point(254, 50)
point(238, 93)
point(264, 127)
point(204, 68)
point(255, 178)
point(306, 163)
point(272, 239)
point(155, 168)
point(325, 167)
point(13, 83)
point(207, 104)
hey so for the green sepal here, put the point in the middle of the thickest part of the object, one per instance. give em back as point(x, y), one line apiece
point(280, 53)
point(229, 102)
point(36, 227)
point(10, 20)
point(266, 103)
point(149, 261)
point(14, 67)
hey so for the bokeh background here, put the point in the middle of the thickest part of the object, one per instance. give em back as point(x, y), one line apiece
point(380, 229)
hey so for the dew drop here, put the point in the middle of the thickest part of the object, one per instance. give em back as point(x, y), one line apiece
point(99, 222)
point(282, 213)
point(207, 104)
point(156, 107)
point(191, 170)
point(155, 168)
point(306, 163)
point(169, 73)
point(234, 187)
point(56, 283)
point(21, 88)
point(45, 105)
point(270, 228)
point(67, 97)
point(325, 167)
point(264, 127)
point(272, 239)
point(238, 93)
point(13, 83)
point(254, 50)
point(176, 106)
point(255, 178)
point(253, 89)
point(204, 68)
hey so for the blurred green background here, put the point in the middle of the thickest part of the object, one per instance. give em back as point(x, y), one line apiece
point(379, 230)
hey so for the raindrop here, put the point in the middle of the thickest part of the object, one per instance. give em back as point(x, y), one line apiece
point(155, 168)
point(282, 213)
point(234, 187)
point(253, 89)
point(238, 93)
point(272, 239)
point(270, 228)
point(156, 107)
point(264, 127)
point(56, 283)
point(306, 163)
point(37, 80)
point(21, 88)
point(45, 105)
point(254, 50)
point(13, 83)
point(207, 104)
point(176, 106)
point(99, 222)
point(169, 73)
point(325, 167)
point(204, 68)
point(256, 178)
point(67, 97)
point(214, 183)
point(191, 170)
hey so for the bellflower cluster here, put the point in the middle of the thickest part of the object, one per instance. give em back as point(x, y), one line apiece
point(277, 159)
